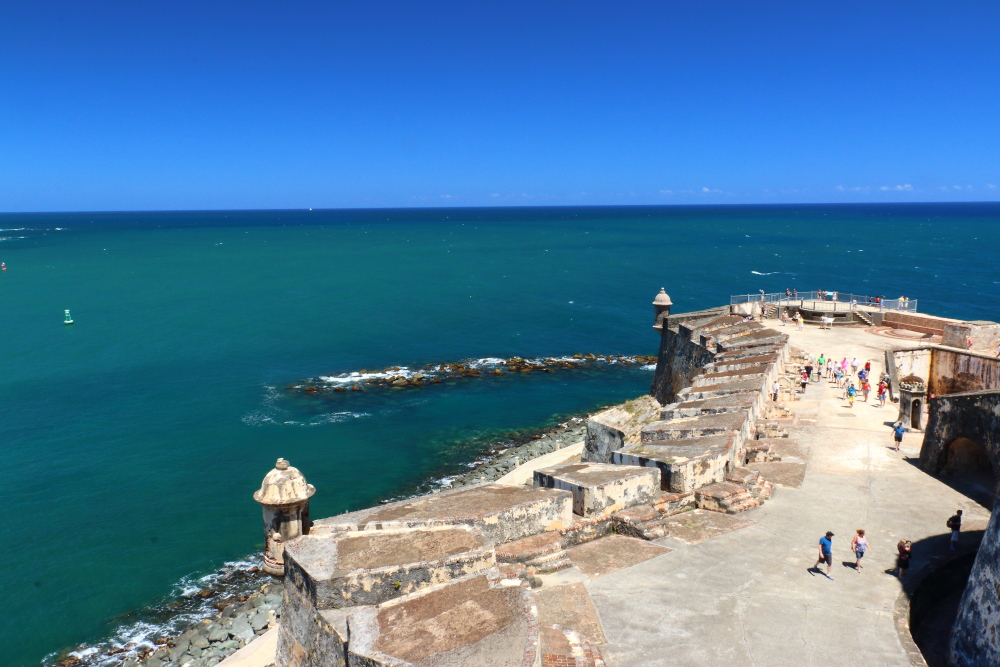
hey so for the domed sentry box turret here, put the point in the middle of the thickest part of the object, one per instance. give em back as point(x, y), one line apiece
point(284, 495)
point(661, 308)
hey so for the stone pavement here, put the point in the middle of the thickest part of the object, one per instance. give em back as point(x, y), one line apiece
point(748, 597)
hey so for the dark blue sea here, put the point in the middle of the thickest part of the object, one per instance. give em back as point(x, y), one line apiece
point(133, 440)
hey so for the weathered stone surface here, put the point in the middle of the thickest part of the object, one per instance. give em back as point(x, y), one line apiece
point(600, 489)
point(697, 427)
point(975, 640)
point(351, 568)
point(685, 464)
point(710, 406)
point(616, 427)
point(700, 525)
point(465, 622)
point(613, 553)
point(309, 637)
point(501, 513)
point(679, 359)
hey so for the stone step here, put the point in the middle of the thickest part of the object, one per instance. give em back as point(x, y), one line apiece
point(530, 548)
point(741, 506)
point(550, 565)
point(642, 521)
point(728, 497)
point(744, 477)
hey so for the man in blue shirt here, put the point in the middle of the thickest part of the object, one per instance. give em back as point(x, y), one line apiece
point(898, 431)
point(825, 554)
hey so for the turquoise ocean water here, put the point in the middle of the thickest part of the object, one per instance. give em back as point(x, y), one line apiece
point(134, 439)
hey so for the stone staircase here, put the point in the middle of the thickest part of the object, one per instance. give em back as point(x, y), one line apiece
point(726, 497)
point(538, 554)
point(646, 521)
point(864, 317)
point(751, 480)
point(744, 490)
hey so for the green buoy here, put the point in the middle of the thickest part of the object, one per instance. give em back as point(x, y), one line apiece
point(69, 318)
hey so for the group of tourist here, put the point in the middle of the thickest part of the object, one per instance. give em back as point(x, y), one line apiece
point(843, 373)
point(860, 547)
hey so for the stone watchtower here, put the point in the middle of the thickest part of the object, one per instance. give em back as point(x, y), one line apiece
point(661, 308)
point(285, 496)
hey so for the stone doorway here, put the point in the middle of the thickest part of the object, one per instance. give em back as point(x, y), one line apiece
point(915, 415)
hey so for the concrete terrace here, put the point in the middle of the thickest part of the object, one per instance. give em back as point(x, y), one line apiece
point(738, 590)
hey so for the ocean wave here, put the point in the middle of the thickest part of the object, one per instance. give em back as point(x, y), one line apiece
point(172, 615)
point(770, 273)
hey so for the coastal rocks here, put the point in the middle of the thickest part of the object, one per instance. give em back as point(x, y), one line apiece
point(499, 463)
point(210, 641)
point(397, 377)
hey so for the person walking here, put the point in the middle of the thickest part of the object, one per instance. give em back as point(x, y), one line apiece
point(868, 367)
point(825, 554)
point(865, 388)
point(854, 366)
point(882, 391)
point(838, 375)
point(819, 366)
point(804, 380)
point(903, 557)
point(897, 434)
point(774, 391)
point(829, 368)
point(851, 392)
point(784, 317)
point(859, 545)
point(955, 524)
point(809, 370)
point(802, 322)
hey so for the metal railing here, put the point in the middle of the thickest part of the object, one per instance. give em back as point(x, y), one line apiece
point(832, 301)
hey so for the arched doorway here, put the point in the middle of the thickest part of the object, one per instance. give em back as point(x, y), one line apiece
point(915, 415)
point(969, 466)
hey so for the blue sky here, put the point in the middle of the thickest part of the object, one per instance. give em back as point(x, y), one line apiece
point(148, 105)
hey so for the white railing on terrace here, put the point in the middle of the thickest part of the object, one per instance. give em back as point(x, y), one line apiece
point(831, 301)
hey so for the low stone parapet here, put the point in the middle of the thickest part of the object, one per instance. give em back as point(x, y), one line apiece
point(468, 622)
point(501, 513)
point(685, 464)
point(600, 489)
point(372, 566)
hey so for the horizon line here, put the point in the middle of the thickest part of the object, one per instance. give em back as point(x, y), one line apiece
point(498, 207)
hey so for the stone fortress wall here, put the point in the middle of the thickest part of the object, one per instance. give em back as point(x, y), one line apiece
point(447, 578)
point(960, 391)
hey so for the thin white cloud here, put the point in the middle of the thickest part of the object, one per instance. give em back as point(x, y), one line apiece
point(710, 191)
point(666, 192)
point(897, 188)
point(991, 186)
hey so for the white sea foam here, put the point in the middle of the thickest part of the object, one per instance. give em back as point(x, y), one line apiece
point(130, 639)
point(758, 273)
point(648, 367)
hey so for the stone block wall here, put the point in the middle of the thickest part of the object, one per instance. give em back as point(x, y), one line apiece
point(678, 361)
point(984, 335)
point(915, 322)
point(975, 641)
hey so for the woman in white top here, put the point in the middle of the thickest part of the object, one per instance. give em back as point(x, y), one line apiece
point(860, 547)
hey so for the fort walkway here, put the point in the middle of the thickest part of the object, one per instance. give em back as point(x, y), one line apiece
point(748, 597)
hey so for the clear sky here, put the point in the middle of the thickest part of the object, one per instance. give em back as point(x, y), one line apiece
point(137, 104)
